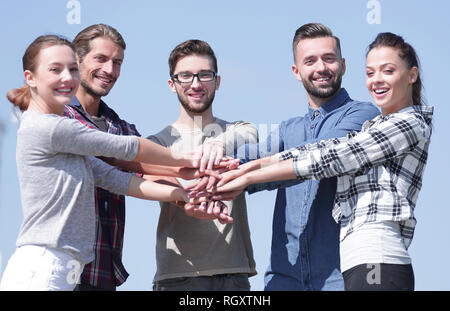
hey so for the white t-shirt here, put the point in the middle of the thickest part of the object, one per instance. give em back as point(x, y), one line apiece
point(376, 242)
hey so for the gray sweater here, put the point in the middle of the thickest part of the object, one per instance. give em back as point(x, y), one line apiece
point(57, 172)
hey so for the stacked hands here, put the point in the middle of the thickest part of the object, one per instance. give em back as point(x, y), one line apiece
point(213, 172)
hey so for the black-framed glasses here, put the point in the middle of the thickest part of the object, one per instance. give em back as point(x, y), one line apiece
point(188, 77)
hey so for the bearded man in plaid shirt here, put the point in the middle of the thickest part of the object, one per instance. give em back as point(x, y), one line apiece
point(100, 52)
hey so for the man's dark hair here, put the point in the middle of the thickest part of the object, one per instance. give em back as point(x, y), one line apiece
point(312, 31)
point(191, 47)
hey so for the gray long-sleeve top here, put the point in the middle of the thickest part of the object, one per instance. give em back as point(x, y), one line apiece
point(57, 171)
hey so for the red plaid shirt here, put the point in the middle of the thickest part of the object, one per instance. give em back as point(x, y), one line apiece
point(107, 270)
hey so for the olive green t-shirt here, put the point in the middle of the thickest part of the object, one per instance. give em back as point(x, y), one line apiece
point(187, 246)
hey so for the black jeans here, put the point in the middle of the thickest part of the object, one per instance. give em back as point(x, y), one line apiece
point(218, 282)
point(379, 277)
point(90, 288)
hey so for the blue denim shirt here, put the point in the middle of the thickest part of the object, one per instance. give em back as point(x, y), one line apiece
point(305, 238)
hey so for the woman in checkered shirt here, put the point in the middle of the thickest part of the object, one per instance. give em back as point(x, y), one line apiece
point(379, 171)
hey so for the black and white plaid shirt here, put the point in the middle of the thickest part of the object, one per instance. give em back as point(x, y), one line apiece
point(379, 169)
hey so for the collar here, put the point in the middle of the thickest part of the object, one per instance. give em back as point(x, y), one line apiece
point(337, 101)
point(103, 109)
point(425, 111)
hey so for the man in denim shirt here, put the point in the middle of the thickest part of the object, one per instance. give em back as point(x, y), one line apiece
point(305, 238)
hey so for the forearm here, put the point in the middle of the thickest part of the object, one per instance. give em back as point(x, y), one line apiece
point(358, 152)
point(255, 187)
point(271, 172)
point(260, 171)
point(145, 168)
point(150, 152)
point(164, 180)
point(150, 190)
point(259, 163)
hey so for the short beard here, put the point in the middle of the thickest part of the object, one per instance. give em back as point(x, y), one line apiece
point(91, 91)
point(324, 93)
point(202, 109)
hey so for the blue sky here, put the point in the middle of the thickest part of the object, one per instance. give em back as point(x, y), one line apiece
point(252, 41)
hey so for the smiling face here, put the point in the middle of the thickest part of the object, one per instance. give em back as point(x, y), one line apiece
point(320, 67)
point(389, 80)
point(195, 97)
point(100, 68)
point(55, 79)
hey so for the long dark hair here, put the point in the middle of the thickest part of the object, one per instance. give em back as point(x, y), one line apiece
point(407, 53)
point(312, 31)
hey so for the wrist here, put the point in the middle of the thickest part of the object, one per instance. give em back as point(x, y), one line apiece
point(251, 166)
point(270, 160)
point(178, 170)
point(182, 160)
point(249, 179)
point(180, 195)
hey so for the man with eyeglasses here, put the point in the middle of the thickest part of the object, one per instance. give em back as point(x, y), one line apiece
point(195, 254)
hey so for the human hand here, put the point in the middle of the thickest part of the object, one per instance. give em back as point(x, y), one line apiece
point(220, 210)
point(209, 154)
point(207, 211)
point(233, 183)
point(188, 173)
point(202, 183)
point(229, 175)
point(229, 163)
point(225, 196)
point(211, 176)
